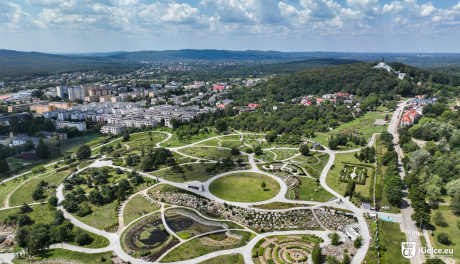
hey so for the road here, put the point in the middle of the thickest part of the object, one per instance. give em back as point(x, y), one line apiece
point(406, 209)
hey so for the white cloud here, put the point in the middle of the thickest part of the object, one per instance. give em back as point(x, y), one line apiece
point(416, 10)
point(394, 7)
point(230, 11)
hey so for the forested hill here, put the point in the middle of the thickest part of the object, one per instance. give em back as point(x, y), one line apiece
point(358, 79)
point(190, 54)
point(17, 64)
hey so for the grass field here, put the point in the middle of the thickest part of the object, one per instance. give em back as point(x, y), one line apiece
point(18, 163)
point(136, 207)
point(101, 217)
point(74, 143)
point(322, 139)
point(24, 193)
point(62, 254)
point(174, 140)
point(244, 187)
point(191, 172)
point(8, 187)
point(225, 259)
point(210, 142)
point(231, 144)
point(282, 154)
point(310, 191)
point(391, 236)
point(333, 177)
point(363, 124)
point(451, 230)
point(206, 153)
point(194, 248)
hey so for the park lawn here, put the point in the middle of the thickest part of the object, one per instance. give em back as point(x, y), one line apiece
point(323, 139)
point(225, 259)
point(41, 213)
point(231, 144)
point(193, 172)
point(310, 191)
point(145, 141)
point(244, 187)
point(7, 187)
point(231, 137)
point(72, 144)
point(451, 230)
point(194, 248)
point(333, 177)
point(381, 109)
point(267, 156)
point(24, 193)
point(362, 124)
point(101, 217)
point(136, 207)
point(62, 254)
point(174, 140)
point(391, 236)
point(184, 160)
point(210, 142)
point(206, 153)
point(97, 241)
point(18, 163)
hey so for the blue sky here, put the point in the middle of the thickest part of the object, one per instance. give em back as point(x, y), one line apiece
point(57, 26)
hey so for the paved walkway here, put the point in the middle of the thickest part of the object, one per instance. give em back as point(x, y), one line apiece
point(114, 238)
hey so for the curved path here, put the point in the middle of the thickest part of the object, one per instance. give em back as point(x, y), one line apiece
point(114, 238)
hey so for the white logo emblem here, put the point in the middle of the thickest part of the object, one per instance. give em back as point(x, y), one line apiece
point(408, 249)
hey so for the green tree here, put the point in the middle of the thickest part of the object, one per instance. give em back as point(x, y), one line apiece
point(42, 151)
point(316, 255)
point(304, 149)
point(4, 166)
point(221, 125)
point(386, 137)
point(83, 152)
point(455, 204)
point(23, 220)
point(258, 150)
point(346, 259)
point(438, 219)
point(53, 200)
point(126, 137)
point(58, 217)
point(335, 239)
point(25, 208)
point(95, 197)
point(82, 238)
point(263, 185)
point(147, 163)
point(129, 160)
point(443, 238)
point(357, 242)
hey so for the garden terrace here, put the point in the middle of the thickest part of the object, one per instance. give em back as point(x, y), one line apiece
point(355, 173)
point(333, 219)
point(284, 249)
point(301, 219)
point(313, 164)
point(204, 245)
point(234, 259)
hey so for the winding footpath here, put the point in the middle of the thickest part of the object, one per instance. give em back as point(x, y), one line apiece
point(115, 238)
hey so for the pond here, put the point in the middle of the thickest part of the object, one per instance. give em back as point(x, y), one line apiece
point(179, 223)
point(147, 235)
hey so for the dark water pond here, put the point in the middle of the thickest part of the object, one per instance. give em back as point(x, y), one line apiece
point(148, 235)
point(180, 223)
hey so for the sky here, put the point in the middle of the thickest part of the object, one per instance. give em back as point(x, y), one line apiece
point(77, 26)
